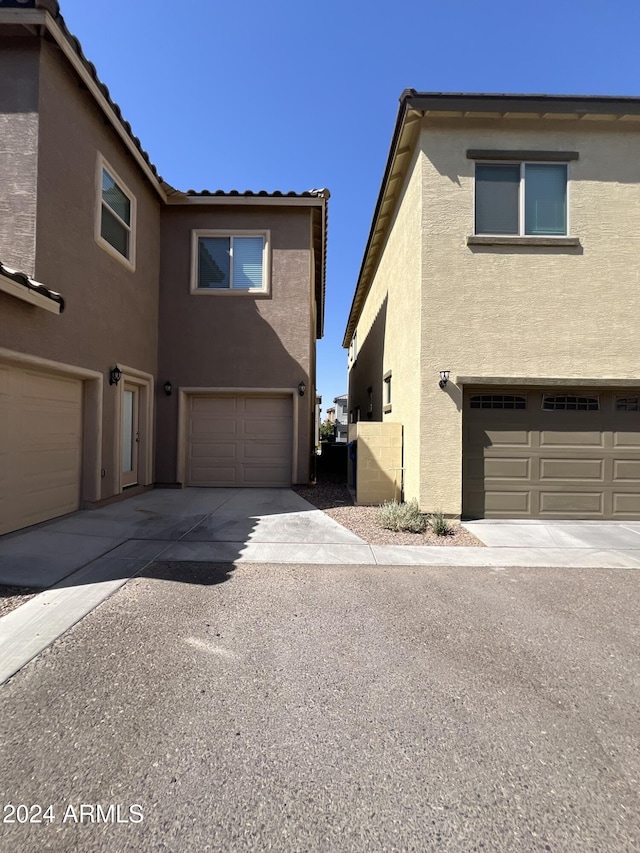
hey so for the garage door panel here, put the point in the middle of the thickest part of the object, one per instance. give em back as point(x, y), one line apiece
point(571, 503)
point(572, 469)
point(570, 438)
point(507, 437)
point(213, 450)
point(49, 463)
point(626, 504)
point(40, 446)
point(626, 469)
point(624, 438)
point(576, 463)
point(506, 501)
point(56, 390)
point(240, 441)
point(266, 451)
point(506, 469)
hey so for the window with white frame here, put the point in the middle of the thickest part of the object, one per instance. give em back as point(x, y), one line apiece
point(115, 224)
point(521, 199)
point(230, 262)
point(386, 393)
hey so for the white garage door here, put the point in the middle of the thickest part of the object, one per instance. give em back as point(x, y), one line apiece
point(40, 446)
point(239, 440)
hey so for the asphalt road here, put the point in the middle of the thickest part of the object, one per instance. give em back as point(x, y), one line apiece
point(294, 708)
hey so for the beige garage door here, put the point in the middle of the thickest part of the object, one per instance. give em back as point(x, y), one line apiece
point(239, 441)
point(551, 454)
point(40, 446)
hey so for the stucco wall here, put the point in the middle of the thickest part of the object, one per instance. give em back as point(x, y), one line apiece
point(523, 312)
point(111, 313)
point(379, 460)
point(388, 331)
point(19, 59)
point(239, 340)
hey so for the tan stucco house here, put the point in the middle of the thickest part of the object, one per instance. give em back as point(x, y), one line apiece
point(147, 335)
point(495, 317)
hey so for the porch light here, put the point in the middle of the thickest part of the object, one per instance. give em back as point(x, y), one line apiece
point(444, 378)
point(302, 387)
point(168, 388)
point(114, 375)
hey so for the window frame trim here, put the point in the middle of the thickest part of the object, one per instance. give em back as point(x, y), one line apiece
point(387, 400)
point(103, 165)
point(265, 290)
point(521, 235)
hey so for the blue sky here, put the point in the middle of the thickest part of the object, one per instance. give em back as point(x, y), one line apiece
point(291, 95)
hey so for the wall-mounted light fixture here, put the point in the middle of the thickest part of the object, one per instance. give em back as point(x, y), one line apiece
point(168, 388)
point(302, 387)
point(114, 375)
point(444, 378)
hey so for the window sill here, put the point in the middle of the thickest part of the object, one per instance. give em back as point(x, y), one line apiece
point(118, 256)
point(228, 291)
point(491, 240)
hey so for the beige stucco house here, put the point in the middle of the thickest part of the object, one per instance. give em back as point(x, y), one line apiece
point(147, 335)
point(495, 317)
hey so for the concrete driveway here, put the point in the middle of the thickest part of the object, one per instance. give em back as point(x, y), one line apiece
point(603, 535)
point(189, 524)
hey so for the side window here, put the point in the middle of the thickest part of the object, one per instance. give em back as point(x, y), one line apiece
point(115, 215)
point(386, 393)
point(230, 262)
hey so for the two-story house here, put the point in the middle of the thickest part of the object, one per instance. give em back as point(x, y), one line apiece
point(495, 317)
point(341, 417)
point(147, 335)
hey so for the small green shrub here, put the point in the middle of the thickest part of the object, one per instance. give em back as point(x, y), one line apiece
point(402, 517)
point(439, 524)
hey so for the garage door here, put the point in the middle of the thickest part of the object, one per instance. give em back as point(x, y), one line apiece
point(40, 446)
point(551, 454)
point(239, 441)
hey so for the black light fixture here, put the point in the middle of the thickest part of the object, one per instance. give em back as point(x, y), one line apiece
point(114, 375)
point(168, 388)
point(302, 387)
point(444, 378)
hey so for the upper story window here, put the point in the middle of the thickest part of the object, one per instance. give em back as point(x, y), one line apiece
point(115, 221)
point(353, 349)
point(521, 199)
point(230, 262)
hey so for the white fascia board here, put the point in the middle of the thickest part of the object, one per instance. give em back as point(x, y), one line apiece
point(7, 285)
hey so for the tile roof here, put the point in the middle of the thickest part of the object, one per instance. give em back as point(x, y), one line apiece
point(30, 284)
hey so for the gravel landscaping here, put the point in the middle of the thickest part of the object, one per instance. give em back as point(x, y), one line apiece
point(335, 499)
point(13, 596)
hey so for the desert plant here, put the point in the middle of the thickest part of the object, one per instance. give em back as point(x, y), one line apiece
point(402, 517)
point(439, 524)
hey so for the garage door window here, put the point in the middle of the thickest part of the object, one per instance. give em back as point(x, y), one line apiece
point(498, 401)
point(569, 403)
point(627, 404)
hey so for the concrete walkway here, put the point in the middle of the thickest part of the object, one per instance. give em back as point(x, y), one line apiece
point(83, 558)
